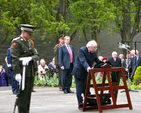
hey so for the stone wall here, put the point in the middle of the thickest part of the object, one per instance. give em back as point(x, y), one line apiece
point(108, 44)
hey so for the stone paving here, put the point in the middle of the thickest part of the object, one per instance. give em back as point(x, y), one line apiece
point(51, 100)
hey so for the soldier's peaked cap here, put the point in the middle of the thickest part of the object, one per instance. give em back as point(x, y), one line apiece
point(28, 28)
point(61, 36)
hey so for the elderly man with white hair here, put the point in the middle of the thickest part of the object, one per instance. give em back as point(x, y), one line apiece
point(116, 62)
point(86, 56)
point(42, 69)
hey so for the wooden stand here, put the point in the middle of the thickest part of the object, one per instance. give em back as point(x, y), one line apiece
point(112, 88)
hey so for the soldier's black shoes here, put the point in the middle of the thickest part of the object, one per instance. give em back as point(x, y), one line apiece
point(33, 90)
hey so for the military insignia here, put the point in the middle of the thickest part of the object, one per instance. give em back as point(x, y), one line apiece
point(14, 44)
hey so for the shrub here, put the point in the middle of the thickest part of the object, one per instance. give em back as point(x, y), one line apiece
point(137, 75)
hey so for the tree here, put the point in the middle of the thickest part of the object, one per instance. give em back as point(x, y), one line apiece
point(40, 13)
point(13, 13)
point(91, 16)
point(48, 18)
point(127, 21)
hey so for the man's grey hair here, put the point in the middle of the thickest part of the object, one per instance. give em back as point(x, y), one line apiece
point(134, 51)
point(90, 43)
point(42, 60)
point(114, 52)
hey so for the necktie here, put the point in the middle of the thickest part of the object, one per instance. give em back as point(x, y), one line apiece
point(70, 54)
point(90, 55)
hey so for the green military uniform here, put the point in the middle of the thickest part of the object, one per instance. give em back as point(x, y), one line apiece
point(56, 53)
point(23, 48)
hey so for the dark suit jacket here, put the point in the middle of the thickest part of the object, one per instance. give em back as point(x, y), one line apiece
point(64, 57)
point(83, 62)
point(115, 64)
point(135, 63)
point(126, 64)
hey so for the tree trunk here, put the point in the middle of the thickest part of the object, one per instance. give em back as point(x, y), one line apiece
point(96, 35)
point(126, 28)
point(128, 32)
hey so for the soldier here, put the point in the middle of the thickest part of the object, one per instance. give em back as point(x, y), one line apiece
point(56, 53)
point(22, 47)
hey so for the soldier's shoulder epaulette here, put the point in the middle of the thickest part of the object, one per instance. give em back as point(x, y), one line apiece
point(17, 38)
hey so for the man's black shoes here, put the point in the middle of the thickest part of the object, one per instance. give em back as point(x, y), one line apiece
point(65, 92)
point(69, 91)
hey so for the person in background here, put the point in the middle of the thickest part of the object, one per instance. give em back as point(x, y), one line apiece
point(132, 53)
point(86, 56)
point(56, 56)
point(66, 61)
point(22, 47)
point(121, 56)
point(100, 58)
point(104, 59)
point(135, 62)
point(52, 67)
point(8, 73)
point(42, 69)
point(116, 62)
point(9, 64)
point(3, 76)
point(0, 79)
point(126, 65)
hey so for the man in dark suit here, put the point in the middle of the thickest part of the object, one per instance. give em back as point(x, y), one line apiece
point(126, 65)
point(135, 62)
point(85, 58)
point(66, 59)
point(116, 62)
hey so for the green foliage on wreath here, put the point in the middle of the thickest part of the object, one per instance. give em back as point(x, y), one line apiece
point(137, 75)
